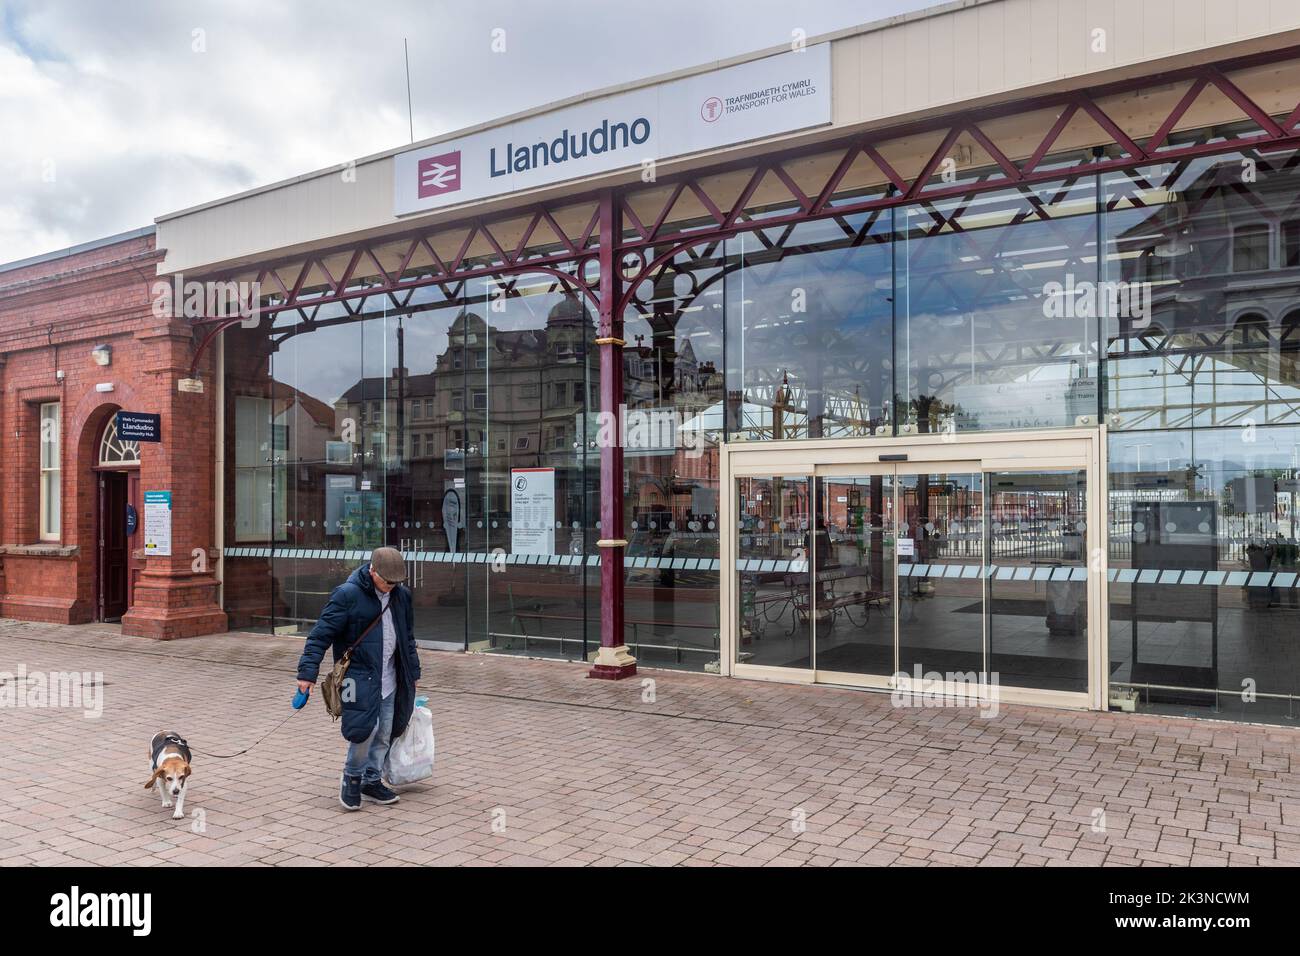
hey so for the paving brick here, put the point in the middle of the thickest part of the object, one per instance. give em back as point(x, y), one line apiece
point(586, 773)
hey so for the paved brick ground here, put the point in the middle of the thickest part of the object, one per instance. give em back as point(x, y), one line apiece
point(588, 773)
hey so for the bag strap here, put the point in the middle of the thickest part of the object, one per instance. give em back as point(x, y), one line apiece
point(347, 655)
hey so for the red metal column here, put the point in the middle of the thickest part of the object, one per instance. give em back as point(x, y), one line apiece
point(613, 662)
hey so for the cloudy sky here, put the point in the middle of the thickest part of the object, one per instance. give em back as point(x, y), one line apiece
point(112, 113)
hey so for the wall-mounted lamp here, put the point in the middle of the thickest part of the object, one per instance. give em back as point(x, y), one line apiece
point(102, 354)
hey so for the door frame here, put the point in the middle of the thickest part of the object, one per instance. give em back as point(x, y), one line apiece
point(1028, 451)
point(131, 472)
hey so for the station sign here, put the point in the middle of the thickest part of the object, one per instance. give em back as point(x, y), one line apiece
point(777, 94)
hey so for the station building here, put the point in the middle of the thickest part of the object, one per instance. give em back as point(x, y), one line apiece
point(962, 343)
point(80, 342)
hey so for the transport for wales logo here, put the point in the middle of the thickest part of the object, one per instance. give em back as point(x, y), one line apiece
point(439, 174)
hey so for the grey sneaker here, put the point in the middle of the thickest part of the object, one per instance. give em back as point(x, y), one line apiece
point(350, 792)
point(376, 792)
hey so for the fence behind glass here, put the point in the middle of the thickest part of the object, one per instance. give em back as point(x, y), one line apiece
point(774, 624)
point(854, 556)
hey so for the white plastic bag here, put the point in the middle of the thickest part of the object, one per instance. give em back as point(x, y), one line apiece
point(410, 758)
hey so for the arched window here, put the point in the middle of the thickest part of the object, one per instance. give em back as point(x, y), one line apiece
point(115, 452)
point(1250, 330)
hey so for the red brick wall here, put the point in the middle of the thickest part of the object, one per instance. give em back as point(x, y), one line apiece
point(51, 315)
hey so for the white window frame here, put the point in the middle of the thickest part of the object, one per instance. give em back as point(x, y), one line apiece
point(115, 452)
point(51, 474)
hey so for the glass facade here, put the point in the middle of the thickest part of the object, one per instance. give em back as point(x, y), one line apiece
point(1205, 450)
point(918, 319)
point(1164, 298)
point(411, 429)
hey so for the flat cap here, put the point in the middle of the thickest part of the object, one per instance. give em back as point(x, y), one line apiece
point(388, 564)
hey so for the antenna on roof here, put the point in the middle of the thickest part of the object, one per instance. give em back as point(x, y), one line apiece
point(410, 115)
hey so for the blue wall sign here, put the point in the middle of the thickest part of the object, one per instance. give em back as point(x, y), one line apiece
point(139, 426)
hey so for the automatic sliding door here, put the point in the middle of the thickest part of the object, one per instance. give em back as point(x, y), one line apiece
point(940, 567)
point(854, 560)
point(853, 565)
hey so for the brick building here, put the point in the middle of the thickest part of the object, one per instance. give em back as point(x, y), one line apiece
point(79, 341)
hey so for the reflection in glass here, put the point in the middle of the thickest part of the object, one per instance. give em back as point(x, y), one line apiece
point(1220, 340)
point(854, 554)
point(673, 395)
point(993, 330)
point(808, 330)
point(530, 355)
point(940, 560)
point(1206, 389)
point(405, 429)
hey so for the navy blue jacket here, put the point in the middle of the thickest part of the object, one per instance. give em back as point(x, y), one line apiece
point(352, 606)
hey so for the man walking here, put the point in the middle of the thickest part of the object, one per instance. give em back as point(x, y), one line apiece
point(379, 692)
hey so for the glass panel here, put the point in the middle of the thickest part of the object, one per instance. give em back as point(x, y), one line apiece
point(1218, 339)
point(1038, 587)
point(50, 435)
point(522, 431)
point(50, 486)
point(854, 554)
point(426, 485)
point(312, 493)
point(247, 584)
point(673, 393)
point(258, 471)
point(997, 319)
point(1204, 563)
point(50, 493)
point(404, 429)
point(940, 556)
point(1205, 390)
point(772, 572)
point(808, 330)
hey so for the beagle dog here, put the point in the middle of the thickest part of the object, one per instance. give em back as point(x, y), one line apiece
point(169, 759)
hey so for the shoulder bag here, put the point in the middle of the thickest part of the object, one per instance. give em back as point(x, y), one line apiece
point(331, 688)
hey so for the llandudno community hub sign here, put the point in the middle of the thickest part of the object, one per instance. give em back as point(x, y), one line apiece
point(778, 94)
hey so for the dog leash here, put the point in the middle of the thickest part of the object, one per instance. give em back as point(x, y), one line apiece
point(202, 753)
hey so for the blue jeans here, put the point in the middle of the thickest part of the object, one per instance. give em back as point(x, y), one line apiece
point(366, 759)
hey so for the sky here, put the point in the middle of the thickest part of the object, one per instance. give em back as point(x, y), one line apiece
point(113, 113)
